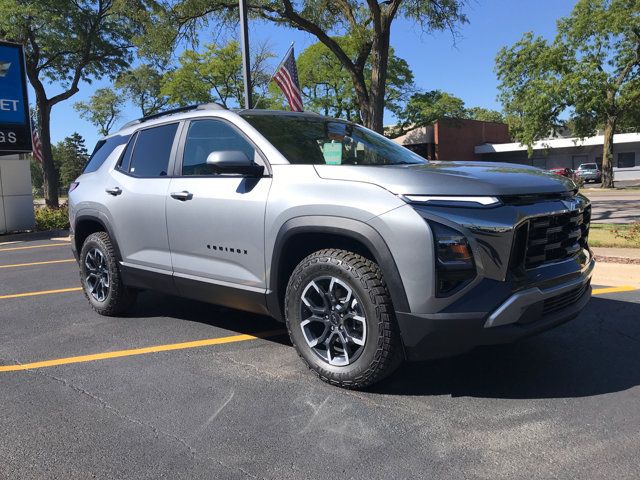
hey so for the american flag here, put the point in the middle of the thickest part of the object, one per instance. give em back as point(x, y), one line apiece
point(37, 146)
point(287, 79)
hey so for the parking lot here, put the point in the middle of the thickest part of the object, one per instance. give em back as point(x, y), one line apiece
point(181, 389)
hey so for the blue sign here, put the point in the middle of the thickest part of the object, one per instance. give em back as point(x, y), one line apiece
point(15, 127)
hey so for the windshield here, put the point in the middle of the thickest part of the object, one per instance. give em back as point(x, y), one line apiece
point(588, 166)
point(324, 141)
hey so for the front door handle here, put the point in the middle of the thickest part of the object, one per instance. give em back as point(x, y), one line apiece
point(113, 191)
point(183, 196)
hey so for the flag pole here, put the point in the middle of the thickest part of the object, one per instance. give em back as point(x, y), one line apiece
point(246, 65)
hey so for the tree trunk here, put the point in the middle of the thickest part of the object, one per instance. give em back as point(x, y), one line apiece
point(49, 171)
point(374, 118)
point(607, 153)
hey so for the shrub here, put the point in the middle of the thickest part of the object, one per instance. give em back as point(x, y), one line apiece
point(631, 233)
point(48, 218)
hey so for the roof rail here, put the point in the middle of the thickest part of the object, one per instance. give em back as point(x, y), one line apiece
point(202, 106)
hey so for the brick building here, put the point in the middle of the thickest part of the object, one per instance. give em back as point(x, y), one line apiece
point(454, 139)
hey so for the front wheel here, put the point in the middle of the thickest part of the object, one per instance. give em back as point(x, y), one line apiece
point(100, 276)
point(340, 319)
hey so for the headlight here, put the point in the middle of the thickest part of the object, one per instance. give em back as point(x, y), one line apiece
point(454, 260)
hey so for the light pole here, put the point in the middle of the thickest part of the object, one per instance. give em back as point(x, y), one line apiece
point(246, 65)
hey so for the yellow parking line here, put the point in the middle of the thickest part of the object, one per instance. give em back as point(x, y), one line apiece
point(13, 249)
point(140, 351)
point(41, 292)
point(624, 288)
point(68, 260)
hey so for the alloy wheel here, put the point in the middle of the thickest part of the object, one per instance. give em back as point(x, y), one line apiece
point(333, 321)
point(97, 278)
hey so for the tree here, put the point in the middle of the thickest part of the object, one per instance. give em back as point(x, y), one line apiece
point(368, 22)
point(591, 71)
point(485, 115)
point(424, 108)
point(215, 75)
point(142, 85)
point(326, 85)
point(66, 43)
point(70, 157)
point(102, 109)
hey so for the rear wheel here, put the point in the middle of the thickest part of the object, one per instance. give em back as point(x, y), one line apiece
point(340, 319)
point(100, 276)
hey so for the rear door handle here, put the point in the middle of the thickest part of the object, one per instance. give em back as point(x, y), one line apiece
point(182, 196)
point(113, 191)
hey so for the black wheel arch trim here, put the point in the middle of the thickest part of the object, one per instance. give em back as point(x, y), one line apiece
point(339, 226)
point(101, 218)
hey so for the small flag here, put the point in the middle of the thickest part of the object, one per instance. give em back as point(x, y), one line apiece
point(287, 79)
point(37, 146)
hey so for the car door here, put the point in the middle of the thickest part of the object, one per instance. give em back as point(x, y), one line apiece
point(216, 221)
point(136, 195)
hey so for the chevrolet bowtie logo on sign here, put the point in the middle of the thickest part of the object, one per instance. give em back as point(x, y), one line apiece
point(15, 127)
point(4, 68)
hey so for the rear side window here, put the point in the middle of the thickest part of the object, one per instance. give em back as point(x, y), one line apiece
point(152, 150)
point(103, 149)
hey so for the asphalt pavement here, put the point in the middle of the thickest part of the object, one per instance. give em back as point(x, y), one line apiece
point(181, 389)
point(617, 207)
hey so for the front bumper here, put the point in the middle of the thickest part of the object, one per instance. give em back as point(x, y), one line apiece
point(524, 313)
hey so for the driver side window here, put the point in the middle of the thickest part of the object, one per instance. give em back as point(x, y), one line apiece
point(206, 136)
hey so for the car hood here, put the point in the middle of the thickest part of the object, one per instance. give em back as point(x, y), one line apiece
point(452, 178)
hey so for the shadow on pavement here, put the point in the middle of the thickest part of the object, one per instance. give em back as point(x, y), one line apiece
point(153, 304)
point(597, 353)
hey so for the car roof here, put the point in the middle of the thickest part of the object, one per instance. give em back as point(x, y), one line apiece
point(202, 110)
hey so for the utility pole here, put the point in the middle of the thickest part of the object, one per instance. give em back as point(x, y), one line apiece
point(246, 65)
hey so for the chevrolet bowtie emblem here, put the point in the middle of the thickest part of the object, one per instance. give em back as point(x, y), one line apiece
point(4, 68)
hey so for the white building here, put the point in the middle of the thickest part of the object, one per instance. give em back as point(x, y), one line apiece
point(570, 153)
point(16, 201)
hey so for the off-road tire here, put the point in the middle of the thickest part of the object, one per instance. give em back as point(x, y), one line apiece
point(119, 298)
point(382, 352)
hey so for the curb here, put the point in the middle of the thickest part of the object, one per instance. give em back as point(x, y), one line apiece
point(27, 236)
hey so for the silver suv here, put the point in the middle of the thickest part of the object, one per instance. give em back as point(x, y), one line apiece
point(368, 252)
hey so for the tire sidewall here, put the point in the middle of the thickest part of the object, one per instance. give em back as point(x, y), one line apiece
point(94, 241)
point(328, 266)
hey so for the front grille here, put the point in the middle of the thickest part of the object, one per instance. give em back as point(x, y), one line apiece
point(563, 300)
point(556, 237)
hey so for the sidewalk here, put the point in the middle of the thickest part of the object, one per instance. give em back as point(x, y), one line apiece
point(617, 266)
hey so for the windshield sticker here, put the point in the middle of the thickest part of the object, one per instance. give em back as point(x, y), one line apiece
point(332, 153)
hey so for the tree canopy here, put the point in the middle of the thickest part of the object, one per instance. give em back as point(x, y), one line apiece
point(425, 108)
point(327, 88)
point(102, 109)
point(142, 86)
point(368, 23)
point(589, 73)
point(66, 43)
point(215, 75)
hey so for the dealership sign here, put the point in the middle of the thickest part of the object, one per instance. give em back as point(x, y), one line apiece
point(15, 127)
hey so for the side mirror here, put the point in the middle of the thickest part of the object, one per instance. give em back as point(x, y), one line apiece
point(234, 162)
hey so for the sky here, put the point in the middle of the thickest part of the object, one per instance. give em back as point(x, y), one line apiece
point(464, 68)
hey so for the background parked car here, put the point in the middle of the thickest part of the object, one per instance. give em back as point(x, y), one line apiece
point(589, 172)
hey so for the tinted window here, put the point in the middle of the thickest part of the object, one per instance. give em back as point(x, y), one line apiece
point(125, 160)
point(317, 140)
point(152, 151)
point(103, 149)
point(206, 136)
point(626, 159)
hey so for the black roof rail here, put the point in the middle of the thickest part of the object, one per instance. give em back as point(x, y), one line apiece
point(202, 106)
